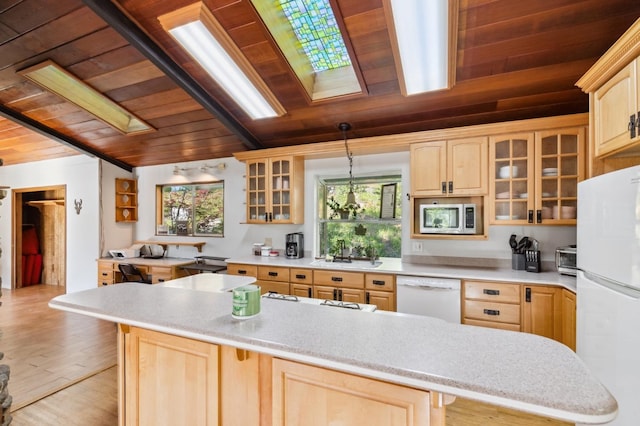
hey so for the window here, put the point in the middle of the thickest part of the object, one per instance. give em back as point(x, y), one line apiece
point(191, 209)
point(363, 228)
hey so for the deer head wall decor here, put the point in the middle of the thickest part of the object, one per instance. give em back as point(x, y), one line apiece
point(78, 204)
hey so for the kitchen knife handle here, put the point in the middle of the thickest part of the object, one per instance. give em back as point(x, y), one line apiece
point(530, 218)
point(444, 187)
point(491, 292)
point(493, 312)
point(538, 216)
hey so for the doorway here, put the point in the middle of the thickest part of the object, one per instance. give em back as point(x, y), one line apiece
point(39, 236)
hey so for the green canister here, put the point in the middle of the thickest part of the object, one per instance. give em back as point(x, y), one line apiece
point(246, 301)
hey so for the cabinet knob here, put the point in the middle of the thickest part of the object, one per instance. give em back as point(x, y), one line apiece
point(450, 187)
point(444, 187)
point(301, 276)
point(491, 292)
point(493, 312)
point(530, 216)
point(273, 274)
point(527, 294)
point(538, 216)
point(632, 126)
point(378, 282)
point(336, 279)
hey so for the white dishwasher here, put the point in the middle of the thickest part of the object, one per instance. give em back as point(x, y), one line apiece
point(433, 297)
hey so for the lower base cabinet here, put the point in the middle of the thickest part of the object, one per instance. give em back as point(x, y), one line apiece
point(544, 310)
point(170, 380)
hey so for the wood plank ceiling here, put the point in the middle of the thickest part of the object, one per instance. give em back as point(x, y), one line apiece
point(515, 60)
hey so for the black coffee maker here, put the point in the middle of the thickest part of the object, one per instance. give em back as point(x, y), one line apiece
point(294, 247)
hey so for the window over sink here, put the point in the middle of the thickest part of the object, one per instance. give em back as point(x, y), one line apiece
point(195, 209)
point(373, 225)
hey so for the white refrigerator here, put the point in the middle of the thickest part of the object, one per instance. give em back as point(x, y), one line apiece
point(608, 284)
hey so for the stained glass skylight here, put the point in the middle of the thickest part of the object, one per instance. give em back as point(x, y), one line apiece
point(315, 27)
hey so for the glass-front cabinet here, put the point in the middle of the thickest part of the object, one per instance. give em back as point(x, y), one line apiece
point(275, 190)
point(534, 176)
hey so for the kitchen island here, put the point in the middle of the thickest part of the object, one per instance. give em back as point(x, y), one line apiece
point(245, 367)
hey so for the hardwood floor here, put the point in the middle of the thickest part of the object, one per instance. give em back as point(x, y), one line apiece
point(43, 345)
point(49, 350)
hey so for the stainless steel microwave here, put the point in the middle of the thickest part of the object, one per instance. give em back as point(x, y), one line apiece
point(448, 218)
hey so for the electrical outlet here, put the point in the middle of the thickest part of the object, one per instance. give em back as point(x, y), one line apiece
point(417, 246)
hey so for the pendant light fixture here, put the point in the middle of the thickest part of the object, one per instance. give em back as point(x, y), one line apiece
point(351, 197)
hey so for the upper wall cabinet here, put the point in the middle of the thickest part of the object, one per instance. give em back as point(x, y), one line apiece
point(535, 175)
point(450, 168)
point(613, 85)
point(126, 200)
point(275, 190)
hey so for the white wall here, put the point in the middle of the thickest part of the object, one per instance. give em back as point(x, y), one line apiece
point(239, 236)
point(80, 174)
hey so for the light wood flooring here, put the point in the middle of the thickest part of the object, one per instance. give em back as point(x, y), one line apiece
point(47, 345)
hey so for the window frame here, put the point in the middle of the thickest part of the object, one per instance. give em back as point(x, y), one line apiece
point(323, 214)
point(191, 232)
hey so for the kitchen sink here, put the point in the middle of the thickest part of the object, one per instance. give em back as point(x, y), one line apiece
point(354, 264)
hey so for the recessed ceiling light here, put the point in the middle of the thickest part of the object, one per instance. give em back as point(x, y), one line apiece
point(52, 77)
point(423, 35)
point(198, 32)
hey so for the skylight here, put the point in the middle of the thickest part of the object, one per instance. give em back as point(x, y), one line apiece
point(310, 38)
point(315, 26)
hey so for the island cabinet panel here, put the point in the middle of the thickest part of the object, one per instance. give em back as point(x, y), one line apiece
point(313, 396)
point(169, 380)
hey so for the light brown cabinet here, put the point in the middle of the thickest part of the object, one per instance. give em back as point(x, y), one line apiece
point(569, 318)
point(380, 291)
point(108, 272)
point(534, 176)
point(489, 304)
point(543, 310)
point(303, 394)
point(167, 379)
point(275, 190)
point(273, 279)
point(449, 168)
point(126, 200)
point(339, 285)
point(301, 282)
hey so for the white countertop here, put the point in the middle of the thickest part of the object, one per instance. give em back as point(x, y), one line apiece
point(217, 283)
point(396, 266)
point(516, 370)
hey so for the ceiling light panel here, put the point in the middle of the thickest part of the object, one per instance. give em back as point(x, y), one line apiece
point(423, 37)
point(55, 79)
point(198, 32)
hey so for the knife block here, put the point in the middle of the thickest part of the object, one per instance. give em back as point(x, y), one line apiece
point(518, 262)
point(532, 260)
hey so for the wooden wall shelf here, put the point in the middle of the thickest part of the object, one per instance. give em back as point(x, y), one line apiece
point(197, 244)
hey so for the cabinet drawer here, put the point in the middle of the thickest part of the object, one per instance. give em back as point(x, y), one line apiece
point(240, 269)
point(385, 282)
point(160, 274)
point(490, 324)
point(273, 286)
point(273, 273)
point(491, 311)
point(301, 276)
point(339, 279)
point(494, 292)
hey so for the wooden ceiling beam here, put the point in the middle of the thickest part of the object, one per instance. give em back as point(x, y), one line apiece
point(141, 41)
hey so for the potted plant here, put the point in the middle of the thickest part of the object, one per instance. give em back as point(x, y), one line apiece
point(339, 211)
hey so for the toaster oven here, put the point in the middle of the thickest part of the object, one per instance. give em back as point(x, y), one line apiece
point(566, 260)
